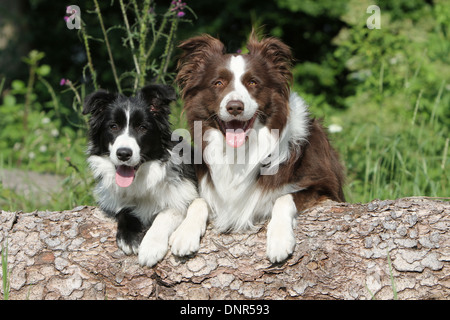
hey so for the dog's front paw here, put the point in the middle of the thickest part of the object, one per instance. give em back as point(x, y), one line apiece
point(129, 232)
point(185, 240)
point(128, 241)
point(152, 250)
point(280, 242)
point(128, 247)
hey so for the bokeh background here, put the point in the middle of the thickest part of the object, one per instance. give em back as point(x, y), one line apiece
point(384, 94)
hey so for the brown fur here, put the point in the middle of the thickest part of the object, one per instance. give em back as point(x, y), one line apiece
point(314, 166)
point(317, 170)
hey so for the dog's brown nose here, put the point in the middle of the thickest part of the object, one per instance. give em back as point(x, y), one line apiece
point(235, 107)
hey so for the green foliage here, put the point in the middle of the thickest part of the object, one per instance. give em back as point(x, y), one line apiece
point(388, 89)
point(144, 30)
point(46, 137)
point(34, 138)
point(396, 121)
point(32, 134)
point(331, 8)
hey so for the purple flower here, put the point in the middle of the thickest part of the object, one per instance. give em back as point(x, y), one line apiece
point(66, 18)
point(63, 82)
point(178, 6)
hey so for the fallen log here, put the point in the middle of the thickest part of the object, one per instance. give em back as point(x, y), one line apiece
point(382, 249)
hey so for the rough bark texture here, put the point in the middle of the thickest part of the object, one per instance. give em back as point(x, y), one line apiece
point(342, 252)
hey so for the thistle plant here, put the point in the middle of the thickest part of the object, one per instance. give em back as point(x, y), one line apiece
point(144, 31)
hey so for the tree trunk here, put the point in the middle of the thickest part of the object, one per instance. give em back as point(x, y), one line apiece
point(344, 251)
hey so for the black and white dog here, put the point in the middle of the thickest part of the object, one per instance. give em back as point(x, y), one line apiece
point(139, 183)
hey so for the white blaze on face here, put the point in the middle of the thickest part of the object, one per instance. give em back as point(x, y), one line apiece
point(237, 66)
point(236, 131)
point(125, 169)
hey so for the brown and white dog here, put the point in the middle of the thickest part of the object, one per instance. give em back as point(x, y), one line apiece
point(263, 155)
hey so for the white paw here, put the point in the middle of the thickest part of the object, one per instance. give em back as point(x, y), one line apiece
point(185, 240)
point(280, 242)
point(152, 250)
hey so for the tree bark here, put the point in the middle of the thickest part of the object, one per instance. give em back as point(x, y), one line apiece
point(344, 251)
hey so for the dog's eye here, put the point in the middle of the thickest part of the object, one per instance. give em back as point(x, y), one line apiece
point(218, 83)
point(142, 128)
point(113, 127)
point(252, 83)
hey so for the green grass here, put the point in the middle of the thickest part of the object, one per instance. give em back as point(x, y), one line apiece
point(388, 156)
point(393, 286)
point(391, 276)
point(5, 274)
point(404, 163)
point(394, 141)
point(73, 188)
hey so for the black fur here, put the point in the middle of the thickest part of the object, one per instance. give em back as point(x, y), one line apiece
point(129, 228)
point(149, 108)
point(149, 125)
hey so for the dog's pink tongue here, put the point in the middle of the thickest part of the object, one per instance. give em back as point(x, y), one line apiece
point(235, 138)
point(124, 176)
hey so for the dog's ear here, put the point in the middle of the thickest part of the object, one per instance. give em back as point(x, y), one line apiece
point(158, 97)
point(196, 51)
point(275, 51)
point(97, 101)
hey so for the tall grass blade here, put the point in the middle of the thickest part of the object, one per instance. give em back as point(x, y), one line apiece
point(394, 289)
point(5, 280)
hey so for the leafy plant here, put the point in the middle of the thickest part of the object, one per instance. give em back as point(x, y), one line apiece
point(47, 137)
point(32, 134)
point(395, 120)
point(144, 30)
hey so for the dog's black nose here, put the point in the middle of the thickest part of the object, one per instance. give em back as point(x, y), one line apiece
point(235, 107)
point(124, 154)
